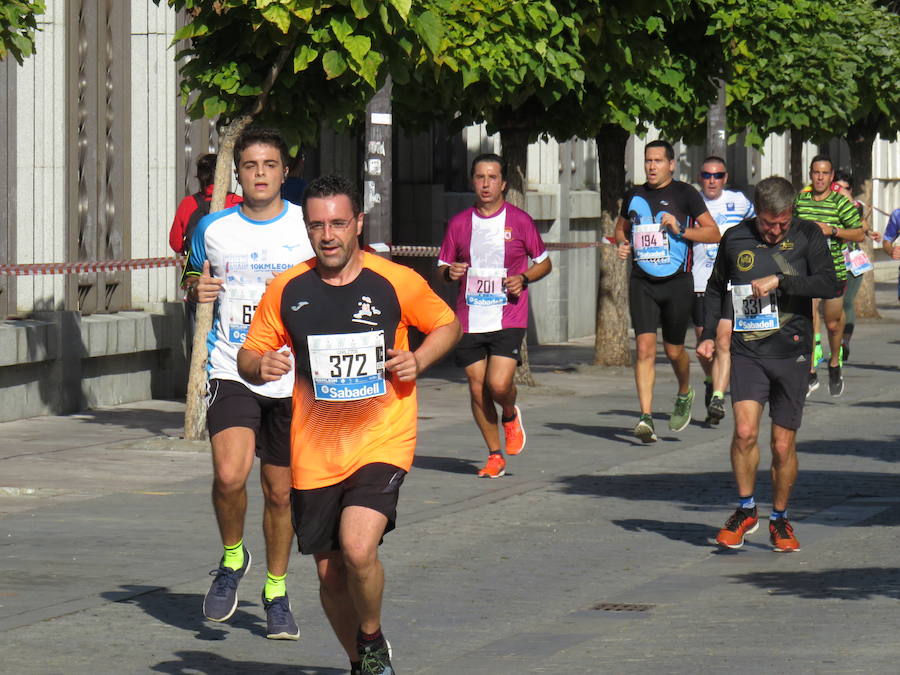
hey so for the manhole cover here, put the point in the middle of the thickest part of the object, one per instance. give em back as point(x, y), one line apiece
point(621, 607)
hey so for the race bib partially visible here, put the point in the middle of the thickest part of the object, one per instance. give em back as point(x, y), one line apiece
point(752, 313)
point(347, 366)
point(857, 262)
point(242, 302)
point(650, 243)
point(484, 287)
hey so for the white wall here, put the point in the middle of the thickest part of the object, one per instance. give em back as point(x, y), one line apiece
point(153, 148)
point(40, 163)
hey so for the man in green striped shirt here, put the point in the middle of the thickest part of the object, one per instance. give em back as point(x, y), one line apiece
point(839, 221)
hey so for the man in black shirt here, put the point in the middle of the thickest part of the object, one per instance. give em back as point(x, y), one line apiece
point(659, 223)
point(768, 269)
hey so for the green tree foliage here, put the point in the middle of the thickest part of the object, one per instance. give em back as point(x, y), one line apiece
point(340, 53)
point(790, 65)
point(18, 22)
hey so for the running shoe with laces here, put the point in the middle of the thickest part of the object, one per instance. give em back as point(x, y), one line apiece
point(681, 416)
point(835, 381)
point(781, 534)
point(715, 411)
point(644, 429)
point(495, 467)
point(221, 598)
point(741, 523)
point(376, 659)
point(515, 434)
point(280, 624)
point(813, 384)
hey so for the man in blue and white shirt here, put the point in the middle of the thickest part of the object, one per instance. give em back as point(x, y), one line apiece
point(234, 254)
point(728, 208)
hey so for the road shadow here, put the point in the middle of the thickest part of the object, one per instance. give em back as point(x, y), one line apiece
point(878, 404)
point(697, 534)
point(446, 464)
point(184, 611)
point(873, 366)
point(619, 434)
point(687, 491)
point(850, 583)
point(207, 663)
point(146, 419)
point(886, 451)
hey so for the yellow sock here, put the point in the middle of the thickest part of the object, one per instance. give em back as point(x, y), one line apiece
point(275, 586)
point(234, 556)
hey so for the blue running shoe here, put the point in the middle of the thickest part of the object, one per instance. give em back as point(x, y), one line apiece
point(280, 624)
point(221, 598)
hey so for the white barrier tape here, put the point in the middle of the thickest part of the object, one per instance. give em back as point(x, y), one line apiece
point(37, 269)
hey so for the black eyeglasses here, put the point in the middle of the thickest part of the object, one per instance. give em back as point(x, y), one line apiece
point(718, 175)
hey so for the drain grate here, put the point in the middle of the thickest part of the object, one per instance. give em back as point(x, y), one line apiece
point(621, 607)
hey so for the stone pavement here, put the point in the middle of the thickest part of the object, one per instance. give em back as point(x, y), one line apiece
point(592, 556)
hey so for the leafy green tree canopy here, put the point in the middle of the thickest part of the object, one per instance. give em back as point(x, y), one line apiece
point(791, 65)
point(341, 51)
point(18, 23)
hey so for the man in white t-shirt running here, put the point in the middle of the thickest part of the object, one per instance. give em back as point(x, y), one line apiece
point(235, 253)
point(728, 208)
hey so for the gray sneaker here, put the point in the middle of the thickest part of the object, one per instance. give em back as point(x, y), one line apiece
point(715, 410)
point(376, 660)
point(280, 624)
point(835, 381)
point(644, 429)
point(681, 416)
point(221, 598)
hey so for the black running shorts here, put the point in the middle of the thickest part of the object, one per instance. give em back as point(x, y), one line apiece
point(233, 404)
point(668, 303)
point(317, 513)
point(475, 347)
point(781, 382)
point(697, 312)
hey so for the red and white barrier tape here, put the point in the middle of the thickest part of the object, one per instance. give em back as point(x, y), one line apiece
point(33, 269)
point(401, 251)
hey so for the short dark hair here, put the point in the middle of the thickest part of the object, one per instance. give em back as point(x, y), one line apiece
point(822, 158)
point(489, 157)
point(844, 175)
point(206, 170)
point(715, 158)
point(660, 143)
point(332, 185)
point(261, 136)
point(774, 195)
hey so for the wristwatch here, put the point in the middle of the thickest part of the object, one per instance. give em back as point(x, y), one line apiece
point(525, 281)
point(834, 232)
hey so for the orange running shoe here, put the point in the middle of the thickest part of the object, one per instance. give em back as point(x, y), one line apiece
point(781, 534)
point(515, 434)
point(495, 467)
point(741, 523)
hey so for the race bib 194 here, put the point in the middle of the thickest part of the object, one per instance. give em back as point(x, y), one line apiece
point(752, 313)
point(650, 243)
point(347, 366)
point(484, 287)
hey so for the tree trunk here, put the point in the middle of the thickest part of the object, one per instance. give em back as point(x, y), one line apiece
point(611, 346)
point(796, 143)
point(860, 139)
point(514, 142)
point(195, 411)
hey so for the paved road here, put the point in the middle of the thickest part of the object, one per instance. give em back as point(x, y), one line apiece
point(592, 556)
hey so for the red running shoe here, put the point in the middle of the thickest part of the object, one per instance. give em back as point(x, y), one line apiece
point(741, 523)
